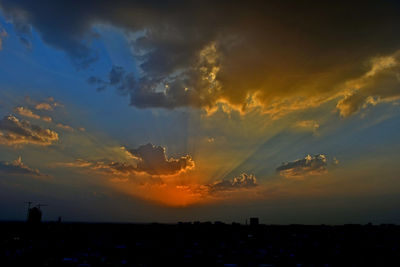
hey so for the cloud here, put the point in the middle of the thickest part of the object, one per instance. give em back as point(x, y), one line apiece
point(153, 160)
point(78, 163)
point(380, 83)
point(210, 139)
point(15, 132)
point(108, 167)
point(275, 56)
point(148, 159)
point(3, 34)
point(115, 168)
point(48, 105)
point(310, 165)
point(65, 127)
point(308, 125)
point(26, 112)
point(243, 181)
point(44, 106)
point(17, 167)
point(117, 78)
point(23, 111)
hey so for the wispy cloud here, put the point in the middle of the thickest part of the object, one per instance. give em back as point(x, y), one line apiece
point(3, 34)
point(17, 167)
point(307, 125)
point(377, 85)
point(65, 127)
point(26, 112)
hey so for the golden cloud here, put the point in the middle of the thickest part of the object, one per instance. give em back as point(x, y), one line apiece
point(377, 85)
point(26, 112)
point(269, 56)
point(14, 132)
point(17, 167)
point(310, 165)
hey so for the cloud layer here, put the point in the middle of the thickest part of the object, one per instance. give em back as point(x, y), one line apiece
point(153, 160)
point(149, 159)
point(243, 181)
point(276, 55)
point(310, 165)
point(3, 34)
point(379, 84)
point(23, 111)
point(17, 167)
point(14, 131)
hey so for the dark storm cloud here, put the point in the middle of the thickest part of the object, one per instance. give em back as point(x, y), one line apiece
point(153, 160)
point(17, 167)
point(241, 182)
point(117, 78)
point(14, 132)
point(283, 55)
point(310, 165)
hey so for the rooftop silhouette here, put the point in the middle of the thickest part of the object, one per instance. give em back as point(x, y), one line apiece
point(197, 244)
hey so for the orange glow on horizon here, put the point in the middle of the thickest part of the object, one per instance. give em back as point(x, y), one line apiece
point(166, 194)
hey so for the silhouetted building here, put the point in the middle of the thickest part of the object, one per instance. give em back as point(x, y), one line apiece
point(253, 221)
point(197, 245)
point(34, 215)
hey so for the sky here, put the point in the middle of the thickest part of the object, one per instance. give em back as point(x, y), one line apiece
point(167, 111)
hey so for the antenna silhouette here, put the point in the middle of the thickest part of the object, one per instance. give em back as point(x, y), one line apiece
point(29, 207)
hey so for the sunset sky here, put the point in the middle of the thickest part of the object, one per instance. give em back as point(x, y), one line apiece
point(166, 111)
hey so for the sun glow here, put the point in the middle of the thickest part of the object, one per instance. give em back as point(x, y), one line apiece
point(167, 194)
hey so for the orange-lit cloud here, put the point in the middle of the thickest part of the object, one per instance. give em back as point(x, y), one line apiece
point(47, 105)
point(271, 56)
point(243, 181)
point(174, 192)
point(126, 177)
point(310, 165)
point(307, 125)
point(44, 106)
point(153, 160)
point(65, 127)
point(377, 85)
point(24, 111)
point(148, 159)
point(14, 132)
point(170, 183)
point(17, 167)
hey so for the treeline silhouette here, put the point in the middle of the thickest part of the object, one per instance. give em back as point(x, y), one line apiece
point(197, 244)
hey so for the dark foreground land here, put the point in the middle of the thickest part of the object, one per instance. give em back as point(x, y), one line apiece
point(200, 244)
